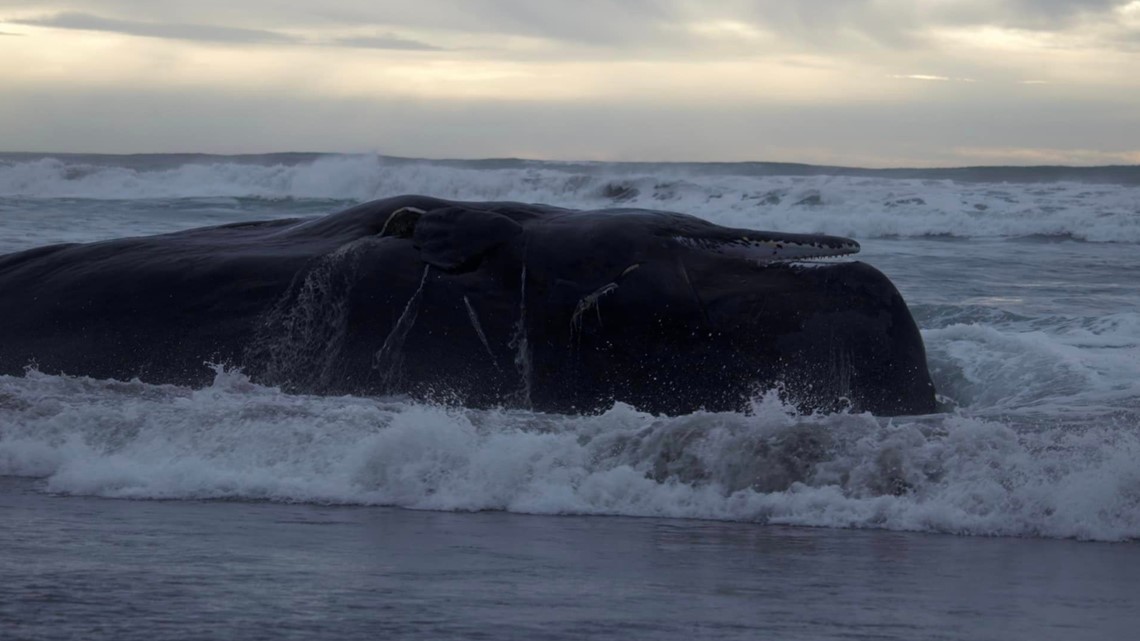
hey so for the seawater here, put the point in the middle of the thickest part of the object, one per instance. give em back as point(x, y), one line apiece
point(1024, 283)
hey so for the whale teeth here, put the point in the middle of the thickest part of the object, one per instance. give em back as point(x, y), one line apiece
point(770, 250)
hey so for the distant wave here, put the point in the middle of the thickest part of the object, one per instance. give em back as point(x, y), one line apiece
point(1091, 204)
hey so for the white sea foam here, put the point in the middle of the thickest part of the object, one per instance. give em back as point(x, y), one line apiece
point(1068, 368)
point(236, 440)
point(863, 207)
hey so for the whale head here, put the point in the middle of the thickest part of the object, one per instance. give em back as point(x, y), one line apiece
point(665, 310)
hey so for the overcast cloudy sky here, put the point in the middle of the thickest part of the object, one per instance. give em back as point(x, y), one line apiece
point(863, 82)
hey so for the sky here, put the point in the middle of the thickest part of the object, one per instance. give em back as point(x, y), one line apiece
point(853, 82)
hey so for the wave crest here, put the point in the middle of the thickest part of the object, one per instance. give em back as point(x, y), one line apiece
point(860, 206)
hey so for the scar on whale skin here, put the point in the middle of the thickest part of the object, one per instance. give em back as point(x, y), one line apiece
point(402, 222)
point(479, 331)
point(389, 359)
point(590, 301)
point(692, 290)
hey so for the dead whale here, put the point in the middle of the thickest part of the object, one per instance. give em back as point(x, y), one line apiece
point(482, 303)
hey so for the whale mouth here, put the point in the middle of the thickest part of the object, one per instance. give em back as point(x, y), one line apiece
point(769, 247)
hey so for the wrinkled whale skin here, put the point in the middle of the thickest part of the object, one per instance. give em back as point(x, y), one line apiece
point(485, 304)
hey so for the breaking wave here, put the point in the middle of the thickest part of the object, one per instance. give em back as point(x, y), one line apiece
point(953, 473)
point(864, 206)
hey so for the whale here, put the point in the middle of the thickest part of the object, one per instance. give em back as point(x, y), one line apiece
point(483, 304)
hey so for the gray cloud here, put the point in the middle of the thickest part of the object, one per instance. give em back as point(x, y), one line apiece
point(1127, 39)
point(595, 22)
point(586, 22)
point(900, 24)
point(659, 26)
point(171, 30)
point(387, 41)
point(640, 25)
point(1043, 15)
point(212, 33)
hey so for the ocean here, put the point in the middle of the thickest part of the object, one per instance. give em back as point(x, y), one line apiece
point(131, 510)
